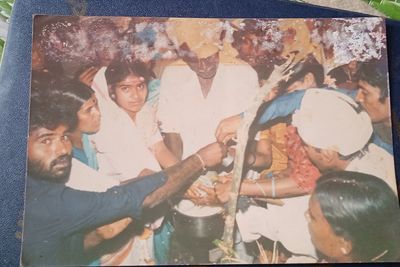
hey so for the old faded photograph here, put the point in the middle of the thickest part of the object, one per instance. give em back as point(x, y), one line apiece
point(176, 141)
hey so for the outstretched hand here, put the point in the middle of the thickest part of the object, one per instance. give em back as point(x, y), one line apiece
point(212, 154)
point(227, 128)
point(202, 195)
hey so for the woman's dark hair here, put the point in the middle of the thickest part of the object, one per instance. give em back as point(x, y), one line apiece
point(71, 95)
point(56, 100)
point(362, 209)
point(118, 70)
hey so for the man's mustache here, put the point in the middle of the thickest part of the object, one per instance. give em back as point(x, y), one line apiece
point(61, 159)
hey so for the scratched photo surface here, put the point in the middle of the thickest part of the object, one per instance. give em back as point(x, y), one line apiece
point(265, 140)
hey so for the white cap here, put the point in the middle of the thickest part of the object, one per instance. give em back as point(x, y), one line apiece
point(331, 120)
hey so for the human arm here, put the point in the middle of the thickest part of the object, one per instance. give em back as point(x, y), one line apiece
point(164, 156)
point(283, 187)
point(84, 211)
point(86, 76)
point(226, 129)
point(169, 110)
point(111, 230)
point(179, 176)
point(280, 107)
point(173, 142)
point(184, 173)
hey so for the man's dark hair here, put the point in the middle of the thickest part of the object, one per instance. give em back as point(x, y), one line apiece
point(55, 101)
point(373, 74)
point(118, 70)
point(364, 210)
point(300, 70)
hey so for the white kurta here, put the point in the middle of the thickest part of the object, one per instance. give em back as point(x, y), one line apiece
point(123, 150)
point(183, 109)
point(123, 147)
point(84, 178)
point(286, 224)
point(378, 162)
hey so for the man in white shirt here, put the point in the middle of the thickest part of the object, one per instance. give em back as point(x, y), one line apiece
point(203, 88)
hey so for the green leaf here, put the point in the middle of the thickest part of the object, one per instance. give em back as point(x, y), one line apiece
point(389, 8)
point(1, 48)
point(5, 6)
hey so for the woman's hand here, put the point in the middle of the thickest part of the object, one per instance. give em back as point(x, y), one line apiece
point(223, 188)
point(202, 195)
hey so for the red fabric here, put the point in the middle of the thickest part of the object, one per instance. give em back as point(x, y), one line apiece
point(302, 169)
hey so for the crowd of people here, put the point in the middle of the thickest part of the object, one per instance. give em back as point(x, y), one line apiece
point(133, 118)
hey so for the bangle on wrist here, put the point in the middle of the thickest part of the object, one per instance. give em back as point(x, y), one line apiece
point(203, 164)
point(261, 189)
point(254, 181)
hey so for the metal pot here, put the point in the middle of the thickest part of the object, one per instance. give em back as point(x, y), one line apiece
point(205, 227)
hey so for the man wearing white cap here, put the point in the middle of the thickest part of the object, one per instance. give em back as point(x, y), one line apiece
point(336, 133)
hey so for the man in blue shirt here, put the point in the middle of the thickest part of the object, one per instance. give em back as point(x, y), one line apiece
point(57, 218)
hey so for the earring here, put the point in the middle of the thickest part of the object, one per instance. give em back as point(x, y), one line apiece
point(112, 95)
point(343, 250)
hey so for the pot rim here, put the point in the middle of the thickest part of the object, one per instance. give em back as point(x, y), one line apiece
point(221, 212)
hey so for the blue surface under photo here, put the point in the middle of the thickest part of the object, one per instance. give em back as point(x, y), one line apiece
point(103, 89)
